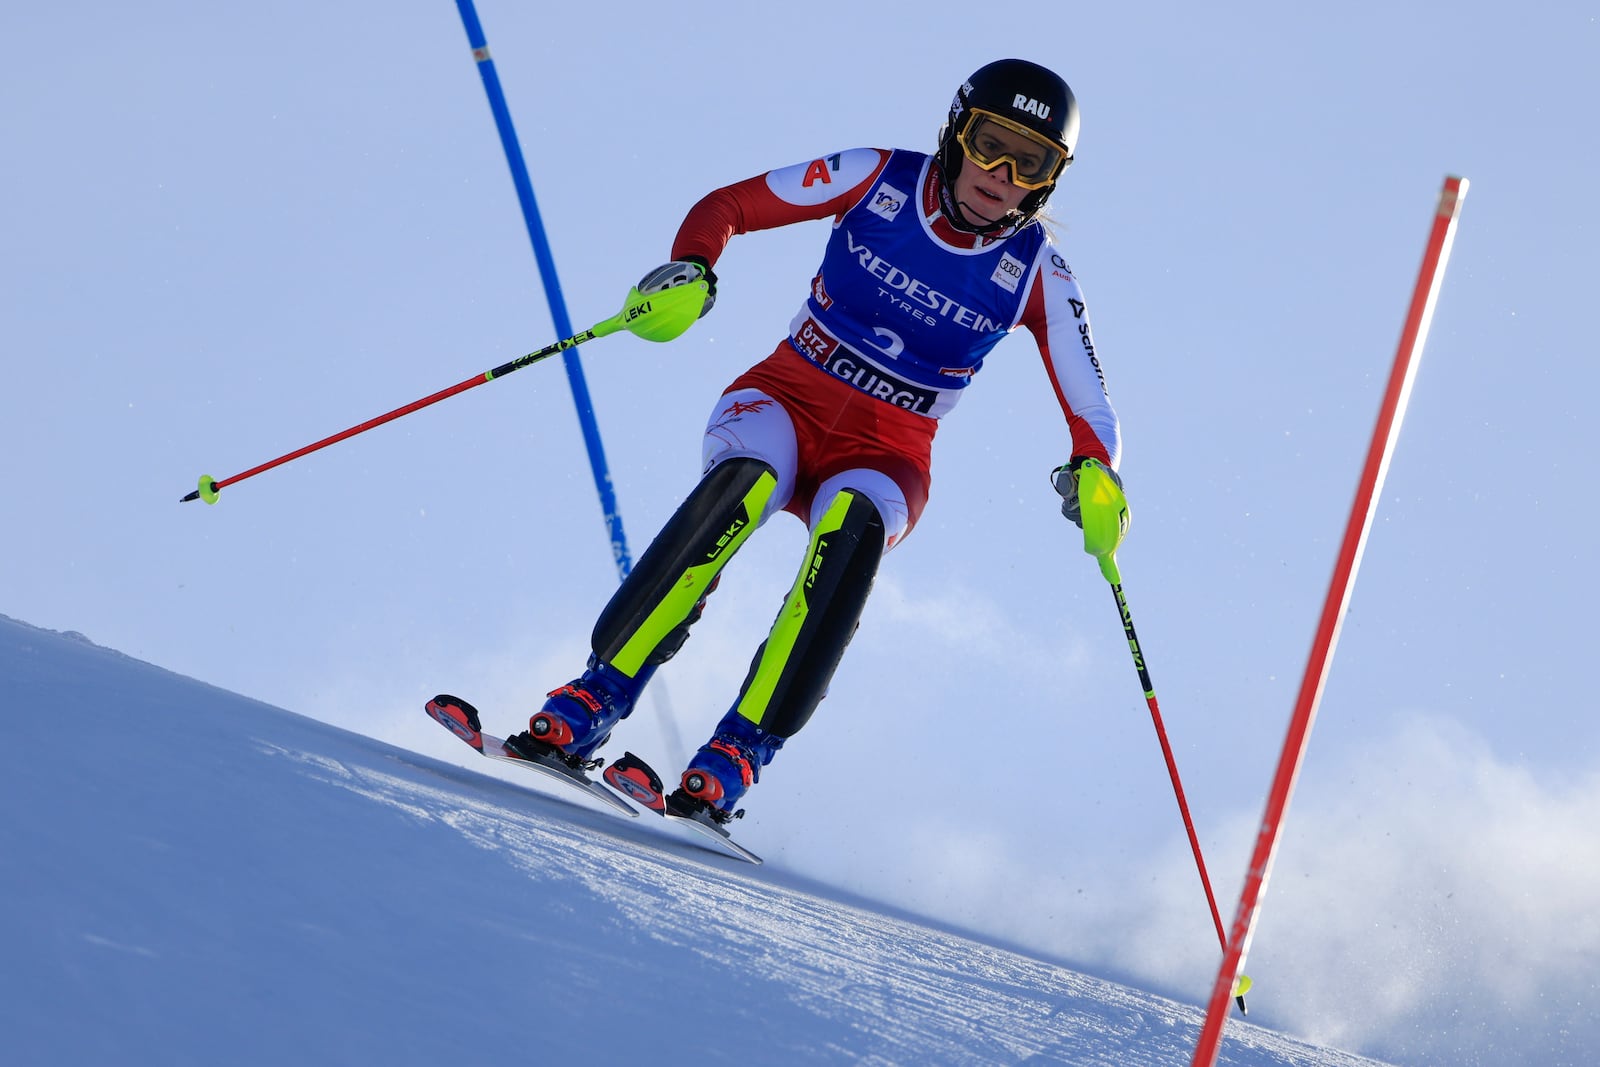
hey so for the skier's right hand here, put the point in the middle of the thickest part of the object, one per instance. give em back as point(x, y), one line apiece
point(681, 272)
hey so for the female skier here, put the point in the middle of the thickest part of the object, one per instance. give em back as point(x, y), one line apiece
point(932, 260)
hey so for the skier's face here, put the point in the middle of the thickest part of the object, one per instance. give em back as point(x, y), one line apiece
point(986, 195)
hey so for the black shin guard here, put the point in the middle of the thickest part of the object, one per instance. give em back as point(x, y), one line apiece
point(649, 616)
point(793, 667)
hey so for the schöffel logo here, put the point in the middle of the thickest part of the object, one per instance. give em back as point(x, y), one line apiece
point(887, 201)
point(1023, 102)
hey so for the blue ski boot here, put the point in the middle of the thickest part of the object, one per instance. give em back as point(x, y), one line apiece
point(724, 768)
point(577, 718)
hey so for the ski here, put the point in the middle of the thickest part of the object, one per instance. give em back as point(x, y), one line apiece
point(630, 776)
point(636, 780)
point(461, 719)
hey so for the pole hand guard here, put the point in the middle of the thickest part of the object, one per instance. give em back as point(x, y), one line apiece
point(662, 315)
point(687, 271)
point(1091, 496)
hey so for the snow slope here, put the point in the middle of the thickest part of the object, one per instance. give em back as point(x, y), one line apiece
point(191, 876)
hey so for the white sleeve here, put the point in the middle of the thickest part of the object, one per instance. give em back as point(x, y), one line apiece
point(1057, 316)
point(818, 181)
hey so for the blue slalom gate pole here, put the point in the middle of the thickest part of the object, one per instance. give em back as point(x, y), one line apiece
point(558, 312)
point(552, 284)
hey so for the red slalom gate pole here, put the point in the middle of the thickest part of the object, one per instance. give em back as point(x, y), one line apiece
point(1401, 377)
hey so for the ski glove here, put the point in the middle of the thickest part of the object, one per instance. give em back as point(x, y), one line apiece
point(1091, 496)
point(681, 272)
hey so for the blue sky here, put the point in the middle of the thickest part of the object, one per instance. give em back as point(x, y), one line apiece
point(230, 232)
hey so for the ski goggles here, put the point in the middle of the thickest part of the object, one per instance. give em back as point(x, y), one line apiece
point(990, 140)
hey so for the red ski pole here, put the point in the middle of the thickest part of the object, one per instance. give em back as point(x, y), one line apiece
point(1103, 514)
point(658, 316)
point(1390, 415)
point(1242, 986)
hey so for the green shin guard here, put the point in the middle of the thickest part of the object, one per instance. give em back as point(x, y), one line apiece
point(793, 667)
point(649, 616)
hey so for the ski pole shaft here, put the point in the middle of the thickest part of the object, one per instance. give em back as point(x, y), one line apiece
point(1172, 771)
point(209, 487)
point(659, 316)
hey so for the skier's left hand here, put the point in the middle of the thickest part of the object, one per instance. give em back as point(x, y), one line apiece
point(1091, 496)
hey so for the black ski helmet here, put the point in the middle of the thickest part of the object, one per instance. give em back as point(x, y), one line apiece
point(1032, 96)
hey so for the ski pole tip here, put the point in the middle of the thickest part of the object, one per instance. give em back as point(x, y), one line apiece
point(208, 491)
point(1241, 986)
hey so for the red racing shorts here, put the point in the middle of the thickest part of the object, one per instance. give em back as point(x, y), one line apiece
point(839, 428)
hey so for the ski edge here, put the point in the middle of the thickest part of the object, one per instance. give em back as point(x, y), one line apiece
point(645, 789)
point(460, 718)
point(637, 780)
point(720, 838)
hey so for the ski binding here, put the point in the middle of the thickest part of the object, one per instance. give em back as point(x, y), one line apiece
point(636, 780)
point(461, 719)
